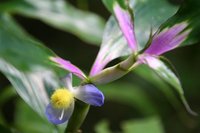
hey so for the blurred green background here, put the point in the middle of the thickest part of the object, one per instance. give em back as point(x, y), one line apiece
point(137, 103)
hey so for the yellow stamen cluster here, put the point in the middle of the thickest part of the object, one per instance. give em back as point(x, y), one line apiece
point(62, 98)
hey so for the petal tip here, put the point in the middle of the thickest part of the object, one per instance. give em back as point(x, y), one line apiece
point(99, 97)
point(58, 116)
point(51, 116)
point(90, 95)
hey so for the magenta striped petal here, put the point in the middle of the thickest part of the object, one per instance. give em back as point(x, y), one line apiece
point(68, 66)
point(126, 24)
point(100, 62)
point(98, 66)
point(168, 39)
point(113, 46)
point(106, 54)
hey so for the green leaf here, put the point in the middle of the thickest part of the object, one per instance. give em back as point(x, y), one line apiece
point(189, 12)
point(165, 73)
point(148, 125)
point(131, 95)
point(60, 14)
point(110, 3)
point(26, 64)
point(102, 127)
point(5, 129)
point(150, 76)
point(27, 121)
point(6, 94)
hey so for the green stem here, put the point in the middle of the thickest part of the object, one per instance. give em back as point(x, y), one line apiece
point(115, 72)
point(80, 112)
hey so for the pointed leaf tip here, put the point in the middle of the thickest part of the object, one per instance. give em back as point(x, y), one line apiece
point(165, 73)
point(187, 106)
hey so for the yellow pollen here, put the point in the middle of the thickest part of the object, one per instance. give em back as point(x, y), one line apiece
point(62, 98)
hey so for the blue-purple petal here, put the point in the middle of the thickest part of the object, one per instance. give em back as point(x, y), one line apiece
point(58, 116)
point(90, 94)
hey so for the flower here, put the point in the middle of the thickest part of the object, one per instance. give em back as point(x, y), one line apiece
point(161, 42)
point(61, 105)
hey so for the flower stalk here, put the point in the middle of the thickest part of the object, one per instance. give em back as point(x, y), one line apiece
point(80, 112)
point(115, 72)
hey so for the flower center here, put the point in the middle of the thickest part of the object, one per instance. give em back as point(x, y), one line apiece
point(62, 98)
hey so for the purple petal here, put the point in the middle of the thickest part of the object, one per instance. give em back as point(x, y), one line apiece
point(106, 54)
point(126, 24)
point(58, 116)
point(90, 95)
point(113, 46)
point(68, 66)
point(168, 39)
point(100, 63)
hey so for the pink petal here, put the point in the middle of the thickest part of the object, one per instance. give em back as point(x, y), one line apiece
point(100, 62)
point(168, 39)
point(65, 64)
point(149, 60)
point(126, 24)
point(97, 67)
point(113, 46)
